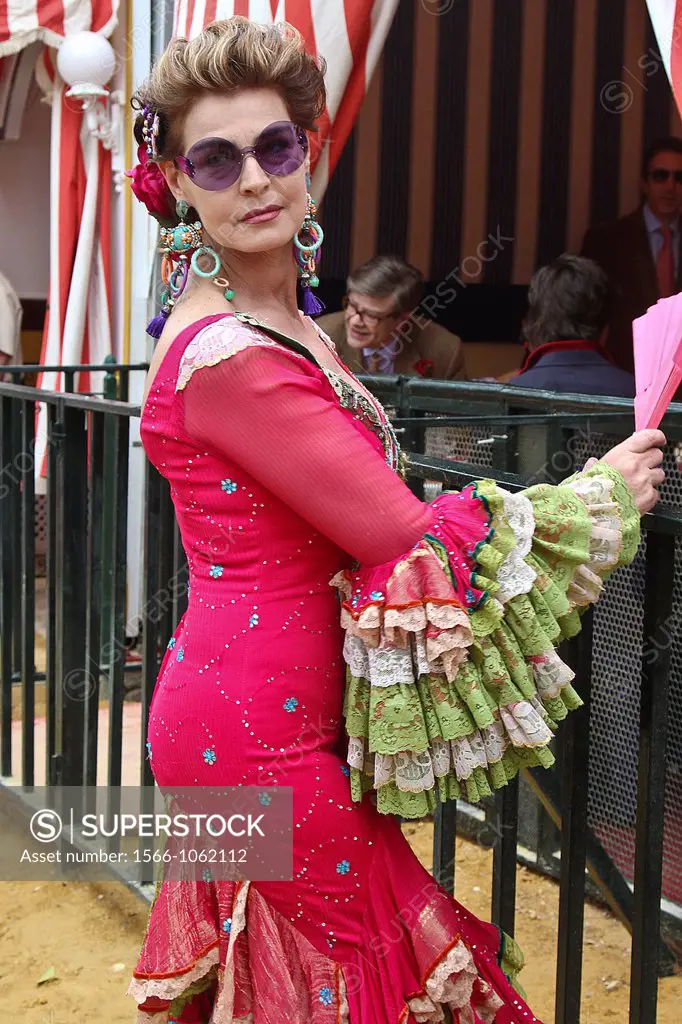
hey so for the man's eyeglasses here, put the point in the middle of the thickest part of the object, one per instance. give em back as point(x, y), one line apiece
point(368, 319)
point(662, 174)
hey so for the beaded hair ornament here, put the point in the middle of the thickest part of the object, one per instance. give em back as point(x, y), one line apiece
point(151, 126)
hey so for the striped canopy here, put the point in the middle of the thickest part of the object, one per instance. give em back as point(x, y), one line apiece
point(23, 22)
point(349, 34)
point(78, 322)
point(666, 17)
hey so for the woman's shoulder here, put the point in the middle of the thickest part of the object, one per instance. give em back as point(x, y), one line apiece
point(218, 340)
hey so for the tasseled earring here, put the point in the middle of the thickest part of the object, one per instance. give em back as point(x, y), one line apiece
point(307, 242)
point(175, 244)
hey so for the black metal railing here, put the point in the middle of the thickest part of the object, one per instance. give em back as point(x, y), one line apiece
point(115, 379)
point(88, 473)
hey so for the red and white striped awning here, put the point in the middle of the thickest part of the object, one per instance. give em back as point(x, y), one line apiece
point(349, 34)
point(78, 322)
point(23, 22)
point(666, 17)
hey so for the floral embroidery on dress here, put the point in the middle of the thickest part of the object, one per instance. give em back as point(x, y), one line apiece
point(181, 654)
point(326, 995)
point(290, 704)
point(216, 571)
point(343, 867)
point(346, 770)
point(265, 799)
point(209, 756)
point(254, 620)
point(227, 925)
point(229, 486)
point(171, 643)
point(206, 875)
point(149, 750)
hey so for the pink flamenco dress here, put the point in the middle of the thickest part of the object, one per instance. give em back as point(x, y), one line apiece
point(375, 653)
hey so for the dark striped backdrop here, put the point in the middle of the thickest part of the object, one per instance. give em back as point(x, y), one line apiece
point(527, 116)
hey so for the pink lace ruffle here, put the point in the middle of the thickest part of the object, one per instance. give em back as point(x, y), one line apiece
point(410, 596)
point(455, 983)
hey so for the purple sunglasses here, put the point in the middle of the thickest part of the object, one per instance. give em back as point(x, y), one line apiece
point(215, 164)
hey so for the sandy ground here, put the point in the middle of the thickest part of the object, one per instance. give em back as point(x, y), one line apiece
point(90, 935)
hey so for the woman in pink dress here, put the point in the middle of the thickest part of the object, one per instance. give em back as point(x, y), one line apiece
point(427, 669)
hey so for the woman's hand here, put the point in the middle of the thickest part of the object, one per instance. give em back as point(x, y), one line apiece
point(639, 459)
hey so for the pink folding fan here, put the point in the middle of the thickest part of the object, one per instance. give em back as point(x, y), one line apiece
point(657, 338)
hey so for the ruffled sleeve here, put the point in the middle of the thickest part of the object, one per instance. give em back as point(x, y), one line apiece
point(453, 679)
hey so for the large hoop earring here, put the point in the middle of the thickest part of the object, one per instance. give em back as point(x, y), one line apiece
point(206, 250)
point(307, 242)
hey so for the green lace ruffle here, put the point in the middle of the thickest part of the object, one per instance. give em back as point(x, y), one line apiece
point(582, 531)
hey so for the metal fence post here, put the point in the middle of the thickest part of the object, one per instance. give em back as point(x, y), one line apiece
point(108, 498)
point(71, 676)
point(658, 597)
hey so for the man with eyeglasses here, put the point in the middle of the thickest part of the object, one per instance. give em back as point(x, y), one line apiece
point(383, 330)
point(641, 251)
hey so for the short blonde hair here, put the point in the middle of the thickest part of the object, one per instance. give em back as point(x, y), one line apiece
point(231, 54)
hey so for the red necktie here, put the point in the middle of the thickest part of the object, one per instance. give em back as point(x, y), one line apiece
point(665, 265)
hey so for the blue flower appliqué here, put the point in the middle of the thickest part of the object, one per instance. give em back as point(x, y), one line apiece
point(254, 620)
point(181, 654)
point(346, 770)
point(206, 875)
point(229, 486)
point(171, 643)
point(149, 750)
point(354, 600)
point(377, 595)
point(290, 704)
point(343, 867)
point(216, 571)
point(265, 799)
point(227, 925)
point(326, 995)
point(209, 756)
point(470, 596)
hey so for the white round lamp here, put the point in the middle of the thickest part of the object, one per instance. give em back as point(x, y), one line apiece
point(86, 61)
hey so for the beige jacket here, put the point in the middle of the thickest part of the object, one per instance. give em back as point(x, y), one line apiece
point(431, 342)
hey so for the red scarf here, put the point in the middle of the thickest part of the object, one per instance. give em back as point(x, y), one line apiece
point(569, 345)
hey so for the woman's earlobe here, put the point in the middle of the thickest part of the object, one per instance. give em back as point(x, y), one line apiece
point(171, 174)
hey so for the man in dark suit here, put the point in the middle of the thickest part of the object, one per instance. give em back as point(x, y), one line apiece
point(564, 329)
point(382, 329)
point(641, 252)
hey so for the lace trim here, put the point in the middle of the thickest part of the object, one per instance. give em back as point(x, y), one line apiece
point(142, 989)
point(605, 542)
point(223, 1009)
point(216, 342)
point(455, 983)
point(550, 673)
point(388, 665)
point(514, 575)
point(520, 725)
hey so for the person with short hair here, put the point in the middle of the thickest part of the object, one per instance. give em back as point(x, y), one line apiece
point(641, 251)
point(382, 330)
point(565, 328)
